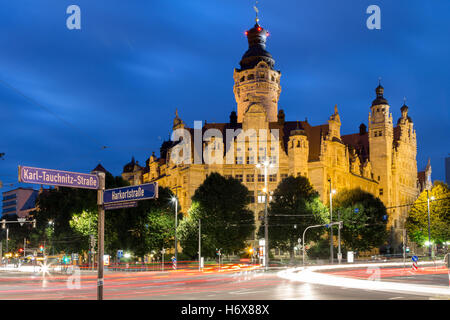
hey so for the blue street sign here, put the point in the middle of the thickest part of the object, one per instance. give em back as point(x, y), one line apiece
point(58, 178)
point(356, 210)
point(120, 205)
point(415, 258)
point(132, 193)
point(385, 217)
point(119, 253)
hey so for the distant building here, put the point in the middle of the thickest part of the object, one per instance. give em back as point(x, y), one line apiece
point(20, 202)
point(424, 178)
point(447, 170)
point(133, 172)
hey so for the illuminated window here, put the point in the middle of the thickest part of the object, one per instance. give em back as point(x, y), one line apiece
point(250, 178)
point(260, 178)
point(239, 177)
point(272, 177)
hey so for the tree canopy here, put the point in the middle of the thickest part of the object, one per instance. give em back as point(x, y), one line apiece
point(148, 227)
point(417, 221)
point(295, 206)
point(364, 224)
point(226, 222)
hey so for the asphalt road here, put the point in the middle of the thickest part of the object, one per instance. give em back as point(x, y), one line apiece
point(192, 285)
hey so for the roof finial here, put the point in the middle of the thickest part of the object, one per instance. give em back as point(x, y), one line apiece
point(379, 81)
point(404, 101)
point(256, 10)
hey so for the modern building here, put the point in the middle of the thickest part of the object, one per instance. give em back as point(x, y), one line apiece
point(379, 158)
point(20, 202)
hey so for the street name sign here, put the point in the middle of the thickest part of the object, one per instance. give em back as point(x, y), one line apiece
point(58, 178)
point(131, 193)
point(120, 205)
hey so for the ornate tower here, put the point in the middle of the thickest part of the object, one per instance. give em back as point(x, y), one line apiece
point(298, 150)
point(257, 81)
point(380, 145)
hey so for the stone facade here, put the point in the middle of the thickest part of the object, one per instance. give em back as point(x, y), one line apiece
point(381, 160)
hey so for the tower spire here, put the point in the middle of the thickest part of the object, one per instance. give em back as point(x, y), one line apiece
point(256, 11)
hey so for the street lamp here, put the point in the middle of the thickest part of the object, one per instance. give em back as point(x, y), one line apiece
point(175, 200)
point(429, 232)
point(332, 191)
point(266, 164)
point(52, 224)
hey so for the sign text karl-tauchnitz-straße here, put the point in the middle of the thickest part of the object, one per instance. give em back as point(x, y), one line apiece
point(57, 177)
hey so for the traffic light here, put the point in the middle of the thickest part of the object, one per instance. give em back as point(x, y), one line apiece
point(20, 250)
point(41, 248)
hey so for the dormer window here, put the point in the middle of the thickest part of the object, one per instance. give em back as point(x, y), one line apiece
point(242, 79)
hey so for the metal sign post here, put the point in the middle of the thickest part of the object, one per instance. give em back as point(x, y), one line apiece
point(101, 234)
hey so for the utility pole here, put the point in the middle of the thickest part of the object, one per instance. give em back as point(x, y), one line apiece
point(101, 234)
point(199, 244)
point(163, 251)
point(24, 246)
point(331, 221)
point(339, 237)
point(404, 247)
point(7, 238)
point(176, 224)
point(429, 231)
point(266, 222)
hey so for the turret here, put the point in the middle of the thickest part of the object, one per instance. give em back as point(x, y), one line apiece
point(298, 150)
point(257, 81)
point(380, 141)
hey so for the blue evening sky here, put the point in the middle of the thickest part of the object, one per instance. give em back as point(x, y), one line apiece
point(118, 80)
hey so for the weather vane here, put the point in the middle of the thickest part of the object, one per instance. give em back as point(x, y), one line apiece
point(256, 10)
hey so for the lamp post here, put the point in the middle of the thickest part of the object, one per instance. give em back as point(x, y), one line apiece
point(339, 237)
point(266, 164)
point(175, 200)
point(304, 244)
point(429, 229)
point(52, 224)
point(331, 221)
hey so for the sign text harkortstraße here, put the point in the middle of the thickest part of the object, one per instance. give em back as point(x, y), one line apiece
point(131, 193)
point(57, 178)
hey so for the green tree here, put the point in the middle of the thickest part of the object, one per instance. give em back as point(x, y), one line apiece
point(221, 204)
point(364, 226)
point(417, 221)
point(295, 206)
point(60, 205)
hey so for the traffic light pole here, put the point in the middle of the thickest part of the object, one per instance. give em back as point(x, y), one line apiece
point(101, 234)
